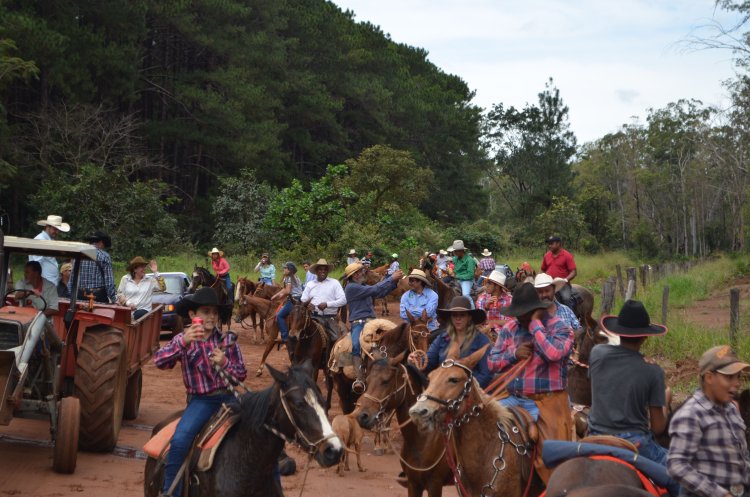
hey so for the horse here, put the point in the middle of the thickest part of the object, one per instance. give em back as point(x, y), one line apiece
point(202, 277)
point(257, 307)
point(393, 385)
point(583, 476)
point(288, 411)
point(487, 446)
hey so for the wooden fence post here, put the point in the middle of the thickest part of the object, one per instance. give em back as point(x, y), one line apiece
point(644, 276)
point(734, 316)
point(619, 281)
point(631, 277)
point(664, 304)
point(608, 295)
point(630, 292)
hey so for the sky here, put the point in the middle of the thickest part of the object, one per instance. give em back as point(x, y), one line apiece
point(611, 59)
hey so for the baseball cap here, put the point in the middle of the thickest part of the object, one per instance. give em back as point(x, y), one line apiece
point(721, 359)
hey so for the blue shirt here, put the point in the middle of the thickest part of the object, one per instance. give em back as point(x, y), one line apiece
point(439, 350)
point(359, 297)
point(567, 316)
point(415, 303)
point(49, 264)
point(395, 266)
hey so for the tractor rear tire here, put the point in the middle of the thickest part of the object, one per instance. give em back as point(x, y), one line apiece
point(100, 381)
point(133, 396)
point(65, 452)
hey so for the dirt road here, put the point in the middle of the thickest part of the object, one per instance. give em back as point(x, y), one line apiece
point(26, 467)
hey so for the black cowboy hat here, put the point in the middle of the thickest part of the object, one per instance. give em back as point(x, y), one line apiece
point(525, 300)
point(99, 235)
point(633, 321)
point(463, 304)
point(203, 296)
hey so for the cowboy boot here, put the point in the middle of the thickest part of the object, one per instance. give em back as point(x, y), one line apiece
point(358, 386)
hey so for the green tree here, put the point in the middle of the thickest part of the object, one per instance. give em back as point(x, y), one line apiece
point(240, 210)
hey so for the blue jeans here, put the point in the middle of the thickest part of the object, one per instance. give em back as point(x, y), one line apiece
point(281, 318)
point(466, 286)
point(197, 413)
point(230, 287)
point(528, 404)
point(267, 281)
point(356, 330)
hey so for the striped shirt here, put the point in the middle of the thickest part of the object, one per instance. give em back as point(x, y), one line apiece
point(708, 451)
point(198, 373)
point(487, 264)
point(547, 370)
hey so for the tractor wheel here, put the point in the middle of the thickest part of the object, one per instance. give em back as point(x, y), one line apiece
point(100, 378)
point(65, 452)
point(133, 395)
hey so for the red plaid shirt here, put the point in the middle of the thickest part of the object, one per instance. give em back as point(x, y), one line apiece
point(547, 370)
point(493, 309)
point(197, 369)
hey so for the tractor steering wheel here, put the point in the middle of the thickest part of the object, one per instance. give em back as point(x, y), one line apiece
point(27, 292)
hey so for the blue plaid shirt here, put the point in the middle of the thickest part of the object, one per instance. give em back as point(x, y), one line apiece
point(567, 316)
point(97, 274)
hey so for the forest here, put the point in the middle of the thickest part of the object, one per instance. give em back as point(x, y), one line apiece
point(287, 125)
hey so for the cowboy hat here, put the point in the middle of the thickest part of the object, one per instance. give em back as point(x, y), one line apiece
point(633, 321)
point(394, 255)
point(352, 252)
point(458, 245)
point(463, 304)
point(352, 268)
point(525, 300)
point(321, 262)
point(486, 253)
point(418, 274)
point(99, 236)
point(203, 296)
point(216, 251)
point(55, 221)
point(721, 359)
point(135, 262)
point(498, 277)
point(450, 249)
point(443, 252)
point(543, 279)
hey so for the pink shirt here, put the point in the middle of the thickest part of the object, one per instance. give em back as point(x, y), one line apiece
point(560, 265)
point(220, 265)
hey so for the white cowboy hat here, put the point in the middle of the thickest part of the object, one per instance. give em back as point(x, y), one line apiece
point(216, 251)
point(458, 245)
point(55, 221)
point(352, 252)
point(486, 253)
point(543, 279)
point(395, 256)
point(443, 252)
point(498, 277)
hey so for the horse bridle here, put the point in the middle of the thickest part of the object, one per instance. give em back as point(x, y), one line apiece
point(382, 402)
point(300, 439)
point(452, 406)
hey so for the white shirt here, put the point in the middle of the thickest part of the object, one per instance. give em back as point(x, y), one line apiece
point(138, 294)
point(49, 264)
point(328, 291)
point(49, 293)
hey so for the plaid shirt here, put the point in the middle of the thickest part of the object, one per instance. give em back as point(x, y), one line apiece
point(567, 315)
point(197, 369)
point(97, 274)
point(493, 310)
point(487, 264)
point(708, 451)
point(547, 370)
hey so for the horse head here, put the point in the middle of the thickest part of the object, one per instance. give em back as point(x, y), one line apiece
point(303, 418)
point(387, 380)
point(449, 387)
point(419, 332)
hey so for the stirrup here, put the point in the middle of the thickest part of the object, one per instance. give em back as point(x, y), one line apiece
point(359, 386)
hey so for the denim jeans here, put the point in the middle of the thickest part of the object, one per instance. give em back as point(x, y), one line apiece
point(528, 404)
point(139, 313)
point(281, 318)
point(267, 281)
point(356, 330)
point(230, 286)
point(197, 413)
point(466, 286)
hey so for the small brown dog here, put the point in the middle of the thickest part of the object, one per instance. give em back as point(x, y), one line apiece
point(350, 434)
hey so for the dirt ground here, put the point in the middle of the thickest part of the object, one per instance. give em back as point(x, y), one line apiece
point(26, 451)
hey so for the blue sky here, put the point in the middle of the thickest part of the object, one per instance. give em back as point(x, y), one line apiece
point(611, 59)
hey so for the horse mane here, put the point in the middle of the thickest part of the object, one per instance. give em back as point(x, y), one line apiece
point(417, 375)
point(254, 408)
point(498, 411)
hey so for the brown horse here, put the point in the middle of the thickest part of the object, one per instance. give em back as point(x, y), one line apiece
point(583, 475)
point(488, 442)
point(202, 277)
point(393, 385)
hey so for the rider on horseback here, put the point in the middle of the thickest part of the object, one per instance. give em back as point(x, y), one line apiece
point(546, 287)
point(221, 269)
point(325, 295)
point(559, 263)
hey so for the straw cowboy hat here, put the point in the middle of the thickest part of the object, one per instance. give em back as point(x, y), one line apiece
point(352, 268)
point(321, 262)
point(486, 253)
point(498, 277)
point(463, 304)
point(458, 245)
point(443, 252)
point(525, 300)
point(203, 296)
point(352, 252)
point(55, 221)
point(543, 279)
point(418, 274)
point(99, 236)
point(135, 262)
point(216, 251)
point(633, 321)
point(722, 360)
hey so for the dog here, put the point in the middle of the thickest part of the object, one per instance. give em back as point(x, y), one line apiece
point(350, 434)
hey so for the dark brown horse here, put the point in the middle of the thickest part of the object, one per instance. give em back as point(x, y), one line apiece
point(487, 441)
point(202, 277)
point(289, 410)
point(583, 475)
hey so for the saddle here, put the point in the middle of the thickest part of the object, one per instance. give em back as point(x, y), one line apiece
point(206, 443)
point(369, 340)
point(332, 328)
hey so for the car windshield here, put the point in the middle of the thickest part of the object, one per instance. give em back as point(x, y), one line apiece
point(173, 284)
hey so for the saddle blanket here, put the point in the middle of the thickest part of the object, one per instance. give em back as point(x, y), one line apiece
point(341, 356)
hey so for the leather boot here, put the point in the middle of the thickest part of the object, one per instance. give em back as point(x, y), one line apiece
point(358, 386)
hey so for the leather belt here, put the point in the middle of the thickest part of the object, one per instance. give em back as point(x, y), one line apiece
point(357, 321)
